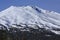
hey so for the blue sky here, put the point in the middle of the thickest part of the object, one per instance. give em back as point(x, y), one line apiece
point(52, 5)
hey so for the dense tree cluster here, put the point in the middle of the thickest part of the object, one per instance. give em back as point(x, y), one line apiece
point(33, 34)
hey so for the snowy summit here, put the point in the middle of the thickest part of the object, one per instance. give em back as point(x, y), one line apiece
point(30, 16)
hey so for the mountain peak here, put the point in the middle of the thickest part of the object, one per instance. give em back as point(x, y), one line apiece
point(29, 15)
point(25, 7)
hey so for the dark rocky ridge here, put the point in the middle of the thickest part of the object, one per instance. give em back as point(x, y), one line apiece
point(33, 34)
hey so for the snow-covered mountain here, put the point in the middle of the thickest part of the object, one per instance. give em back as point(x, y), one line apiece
point(30, 17)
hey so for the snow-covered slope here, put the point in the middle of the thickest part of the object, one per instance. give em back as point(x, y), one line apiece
point(31, 17)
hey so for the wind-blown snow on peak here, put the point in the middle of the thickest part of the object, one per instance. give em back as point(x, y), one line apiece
point(21, 14)
point(30, 16)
